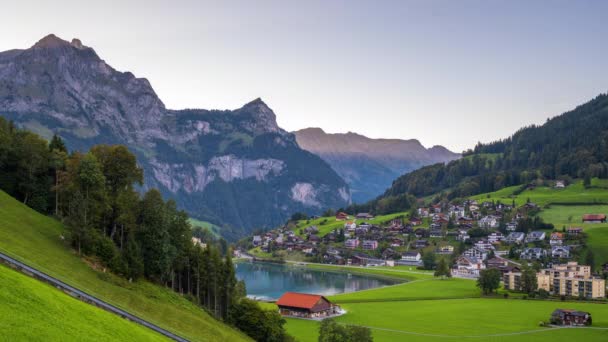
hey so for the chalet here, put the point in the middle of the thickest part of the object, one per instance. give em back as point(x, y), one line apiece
point(511, 226)
point(436, 208)
point(535, 236)
point(341, 216)
point(498, 263)
point(303, 305)
point(314, 239)
point(396, 242)
point(557, 239)
point(415, 221)
point(420, 244)
point(477, 253)
point(311, 230)
point(389, 253)
point(530, 206)
point(465, 220)
point(257, 240)
point(532, 253)
point(560, 184)
point(436, 233)
point(594, 218)
point(361, 230)
point(574, 231)
point(350, 226)
point(488, 222)
point(351, 243)
point(562, 252)
point(445, 249)
point(411, 256)
point(424, 212)
point(569, 317)
point(495, 237)
point(364, 216)
point(421, 232)
point(484, 245)
point(467, 266)
point(369, 244)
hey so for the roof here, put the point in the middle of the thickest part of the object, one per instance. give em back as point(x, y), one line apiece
point(299, 300)
point(594, 217)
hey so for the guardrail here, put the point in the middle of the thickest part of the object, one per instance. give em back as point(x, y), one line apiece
point(85, 297)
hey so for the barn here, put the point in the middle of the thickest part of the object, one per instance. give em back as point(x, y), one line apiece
point(304, 305)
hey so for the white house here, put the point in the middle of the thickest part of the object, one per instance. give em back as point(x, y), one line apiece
point(488, 222)
point(560, 252)
point(515, 237)
point(467, 266)
point(535, 236)
point(476, 252)
point(411, 256)
point(495, 237)
point(532, 253)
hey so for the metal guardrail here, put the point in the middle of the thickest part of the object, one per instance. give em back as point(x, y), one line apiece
point(84, 296)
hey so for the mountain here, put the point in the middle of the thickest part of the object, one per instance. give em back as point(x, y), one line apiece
point(236, 167)
point(370, 165)
point(571, 145)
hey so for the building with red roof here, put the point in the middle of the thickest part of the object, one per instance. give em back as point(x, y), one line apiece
point(594, 218)
point(305, 305)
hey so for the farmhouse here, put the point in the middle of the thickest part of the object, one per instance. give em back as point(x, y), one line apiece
point(570, 317)
point(594, 218)
point(410, 256)
point(574, 231)
point(341, 216)
point(364, 216)
point(306, 305)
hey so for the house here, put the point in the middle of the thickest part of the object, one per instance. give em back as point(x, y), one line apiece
point(511, 226)
point(495, 237)
point(421, 232)
point(311, 230)
point(594, 218)
point(350, 226)
point(420, 244)
point(364, 216)
point(351, 243)
point(488, 222)
point(463, 236)
point(465, 220)
point(257, 240)
point(411, 256)
point(530, 206)
point(535, 236)
point(423, 212)
point(436, 208)
point(562, 252)
point(560, 184)
point(445, 249)
point(498, 263)
point(557, 239)
point(370, 244)
point(341, 216)
point(396, 242)
point(389, 253)
point(484, 245)
point(436, 233)
point(574, 231)
point(414, 221)
point(569, 317)
point(304, 305)
point(532, 253)
point(467, 266)
point(477, 253)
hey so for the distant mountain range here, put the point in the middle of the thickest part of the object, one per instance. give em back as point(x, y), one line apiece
point(369, 166)
point(230, 166)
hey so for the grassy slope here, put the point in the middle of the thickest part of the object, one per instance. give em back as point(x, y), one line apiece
point(35, 240)
point(331, 223)
point(32, 310)
point(571, 215)
point(215, 230)
point(574, 193)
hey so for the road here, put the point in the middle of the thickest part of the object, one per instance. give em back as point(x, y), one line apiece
point(85, 297)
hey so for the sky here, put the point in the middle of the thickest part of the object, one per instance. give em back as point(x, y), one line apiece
point(446, 73)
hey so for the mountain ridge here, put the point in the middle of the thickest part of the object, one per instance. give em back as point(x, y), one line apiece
point(369, 165)
point(226, 166)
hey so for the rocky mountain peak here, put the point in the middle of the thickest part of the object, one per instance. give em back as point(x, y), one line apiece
point(51, 41)
point(263, 119)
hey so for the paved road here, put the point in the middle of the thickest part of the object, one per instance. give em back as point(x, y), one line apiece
point(84, 296)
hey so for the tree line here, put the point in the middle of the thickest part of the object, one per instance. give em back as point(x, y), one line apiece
point(134, 235)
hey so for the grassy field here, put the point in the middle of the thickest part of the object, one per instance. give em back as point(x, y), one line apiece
point(37, 240)
point(572, 194)
point(571, 215)
point(215, 230)
point(460, 319)
point(32, 310)
point(327, 224)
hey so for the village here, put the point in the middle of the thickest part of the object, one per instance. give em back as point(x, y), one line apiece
point(470, 236)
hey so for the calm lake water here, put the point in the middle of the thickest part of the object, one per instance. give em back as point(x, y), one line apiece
point(269, 281)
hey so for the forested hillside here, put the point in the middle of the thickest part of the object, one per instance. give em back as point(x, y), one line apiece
point(574, 144)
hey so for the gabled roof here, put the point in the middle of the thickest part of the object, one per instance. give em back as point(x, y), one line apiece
point(299, 300)
point(594, 217)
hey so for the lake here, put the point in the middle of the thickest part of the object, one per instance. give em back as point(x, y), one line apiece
point(269, 281)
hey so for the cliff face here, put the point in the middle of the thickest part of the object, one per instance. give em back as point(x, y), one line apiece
point(370, 165)
point(231, 166)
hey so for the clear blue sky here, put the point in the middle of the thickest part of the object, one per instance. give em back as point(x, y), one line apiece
point(444, 72)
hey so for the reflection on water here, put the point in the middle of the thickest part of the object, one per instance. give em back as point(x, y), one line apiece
point(270, 281)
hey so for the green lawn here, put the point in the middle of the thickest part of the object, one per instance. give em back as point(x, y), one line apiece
point(213, 229)
point(32, 310)
point(461, 319)
point(571, 215)
point(37, 240)
point(572, 194)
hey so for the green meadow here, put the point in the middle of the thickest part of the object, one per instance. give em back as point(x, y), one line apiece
point(33, 310)
point(38, 241)
point(327, 224)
